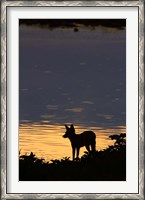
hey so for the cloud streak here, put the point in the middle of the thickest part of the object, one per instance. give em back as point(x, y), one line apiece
point(52, 107)
point(87, 102)
point(74, 110)
point(47, 116)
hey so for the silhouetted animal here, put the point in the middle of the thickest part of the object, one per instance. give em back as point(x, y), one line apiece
point(87, 139)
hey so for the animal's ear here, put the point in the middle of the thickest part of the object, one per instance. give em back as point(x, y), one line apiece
point(66, 127)
point(72, 127)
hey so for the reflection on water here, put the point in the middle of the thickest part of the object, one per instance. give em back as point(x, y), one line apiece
point(46, 140)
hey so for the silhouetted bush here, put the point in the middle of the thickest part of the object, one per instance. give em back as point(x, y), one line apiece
point(105, 165)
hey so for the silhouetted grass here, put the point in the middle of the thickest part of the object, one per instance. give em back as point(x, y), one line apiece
point(105, 165)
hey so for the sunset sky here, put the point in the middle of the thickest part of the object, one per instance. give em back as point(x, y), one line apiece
point(69, 75)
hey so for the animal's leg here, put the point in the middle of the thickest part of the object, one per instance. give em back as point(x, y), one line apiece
point(93, 146)
point(88, 148)
point(73, 152)
point(78, 150)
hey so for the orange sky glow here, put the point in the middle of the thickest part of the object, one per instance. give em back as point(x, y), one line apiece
point(46, 140)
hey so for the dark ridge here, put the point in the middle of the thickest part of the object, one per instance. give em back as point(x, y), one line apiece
point(74, 23)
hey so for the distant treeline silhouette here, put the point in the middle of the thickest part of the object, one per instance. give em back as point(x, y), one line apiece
point(75, 23)
point(105, 165)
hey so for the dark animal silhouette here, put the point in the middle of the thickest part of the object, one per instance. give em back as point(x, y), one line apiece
point(87, 139)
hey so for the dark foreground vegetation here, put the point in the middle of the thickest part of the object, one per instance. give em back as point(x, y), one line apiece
point(105, 165)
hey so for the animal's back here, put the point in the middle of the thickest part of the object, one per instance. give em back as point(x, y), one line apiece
point(89, 134)
point(86, 138)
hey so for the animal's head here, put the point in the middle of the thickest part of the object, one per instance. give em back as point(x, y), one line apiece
point(69, 131)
